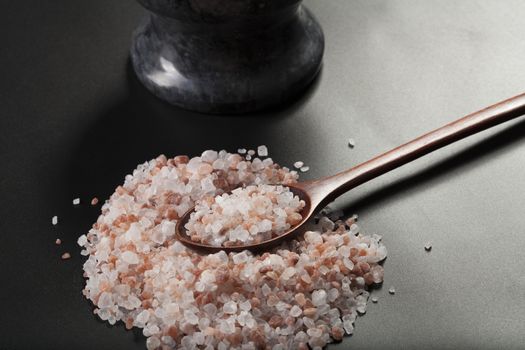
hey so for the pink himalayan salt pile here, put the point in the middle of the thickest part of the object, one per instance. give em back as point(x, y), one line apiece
point(304, 292)
point(248, 215)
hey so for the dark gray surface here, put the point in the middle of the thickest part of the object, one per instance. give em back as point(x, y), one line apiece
point(74, 121)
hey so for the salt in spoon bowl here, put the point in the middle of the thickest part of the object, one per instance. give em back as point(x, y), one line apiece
point(318, 193)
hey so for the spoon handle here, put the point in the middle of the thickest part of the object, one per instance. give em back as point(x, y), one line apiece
point(327, 189)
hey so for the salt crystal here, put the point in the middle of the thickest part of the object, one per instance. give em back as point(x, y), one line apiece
point(241, 151)
point(428, 246)
point(304, 169)
point(348, 263)
point(245, 306)
point(82, 240)
point(54, 220)
point(153, 343)
point(66, 256)
point(209, 156)
point(266, 289)
point(295, 311)
point(240, 258)
point(375, 300)
point(58, 241)
point(249, 157)
point(351, 143)
point(288, 273)
point(262, 151)
point(230, 307)
point(210, 309)
point(251, 152)
point(392, 290)
point(190, 317)
point(314, 332)
point(94, 201)
point(319, 297)
point(105, 300)
point(130, 257)
point(142, 317)
point(348, 327)
point(76, 201)
point(298, 165)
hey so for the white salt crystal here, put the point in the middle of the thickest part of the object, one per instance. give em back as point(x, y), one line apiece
point(76, 201)
point(241, 151)
point(313, 237)
point(54, 220)
point(130, 257)
point(375, 300)
point(392, 290)
point(251, 152)
point(230, 307)
point(209, 156)
point(348, 326)
point(428, 246)
point(190, 317)
point(348, 263)
point(351, 143)
point(266, 289)
point(210, 309)
point(295, 311)
point(298, 165)
point(288, 273)
point(304, 169)
point(319, 297)
point(245, 305)
point(240, 258)
point(314, 332)
point(153, 343)
point(105, 300)
point(262, 151)
point(82, 240)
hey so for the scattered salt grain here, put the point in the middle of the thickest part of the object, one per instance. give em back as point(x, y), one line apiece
point(304, 169)
point(298, 165)
point(66, 256)
point(76, 201)
point(251, 152)
point(248, 157)
point(351, 143)
point(82, 240)
point(58, 241)
point(375, 300)
point(262, 151)
point(241, 151)
point(392, 290)
point(428, 246)
point(94, 201)
point(54, 220)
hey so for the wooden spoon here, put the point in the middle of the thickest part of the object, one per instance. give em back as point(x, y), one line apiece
point(318, 193)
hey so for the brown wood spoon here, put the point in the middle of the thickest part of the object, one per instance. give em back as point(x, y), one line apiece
point(318, 193)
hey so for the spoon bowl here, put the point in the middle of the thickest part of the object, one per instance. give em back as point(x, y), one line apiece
point(316, 194)
point(307, 212)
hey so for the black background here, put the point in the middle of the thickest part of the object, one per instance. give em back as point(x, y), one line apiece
point(74, 120)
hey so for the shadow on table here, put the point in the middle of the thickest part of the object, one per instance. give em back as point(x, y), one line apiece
point(140, 127)
point(481, 150)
